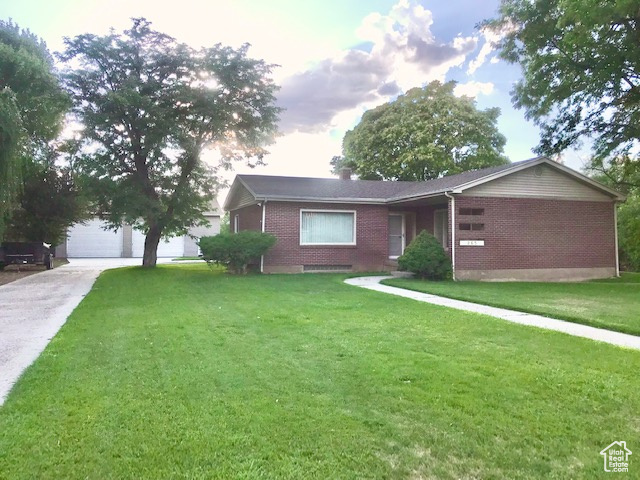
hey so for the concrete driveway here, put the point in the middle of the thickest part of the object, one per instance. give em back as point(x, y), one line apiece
point(33, 309)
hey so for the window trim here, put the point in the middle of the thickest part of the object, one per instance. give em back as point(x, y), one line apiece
point(316, 210)
point(236, 223)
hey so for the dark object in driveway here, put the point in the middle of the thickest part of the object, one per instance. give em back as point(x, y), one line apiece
point(20, 253)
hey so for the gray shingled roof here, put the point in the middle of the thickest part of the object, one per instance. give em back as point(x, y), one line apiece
point(325, 188)
point(266, 186)
point(451, 182)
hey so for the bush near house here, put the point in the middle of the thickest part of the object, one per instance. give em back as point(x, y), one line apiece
point(235, 250)
point(426, 258)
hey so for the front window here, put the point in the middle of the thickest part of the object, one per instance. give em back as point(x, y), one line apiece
point(327, 227)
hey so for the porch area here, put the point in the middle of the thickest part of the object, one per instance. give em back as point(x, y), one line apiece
point(408, 219)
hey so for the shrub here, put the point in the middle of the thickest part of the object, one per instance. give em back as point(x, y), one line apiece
point(426, 258)
point(235, 250)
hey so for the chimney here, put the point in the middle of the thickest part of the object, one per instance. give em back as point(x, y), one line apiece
point(345, 174)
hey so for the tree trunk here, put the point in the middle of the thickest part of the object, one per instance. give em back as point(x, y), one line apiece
point(151, 242)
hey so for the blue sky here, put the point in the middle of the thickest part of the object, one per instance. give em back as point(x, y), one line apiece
point(337, 58)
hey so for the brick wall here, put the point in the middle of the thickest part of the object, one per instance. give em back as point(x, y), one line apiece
point(369, 253)
point(522, 233)
point(424, 219)
point(249, 218)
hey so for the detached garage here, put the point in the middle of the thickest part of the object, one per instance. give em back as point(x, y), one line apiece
point(91, 240)
point(172, 247)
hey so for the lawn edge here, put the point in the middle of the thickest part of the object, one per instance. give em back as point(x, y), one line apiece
point(629, 331)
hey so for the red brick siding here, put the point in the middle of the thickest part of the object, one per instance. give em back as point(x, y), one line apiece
point(424, 219)
point(524, 233)
point(369, 253)
point(249, 218)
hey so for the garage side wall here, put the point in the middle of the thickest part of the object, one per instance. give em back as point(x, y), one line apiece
point(288, 256)
point(190, 243)
point(535, 239)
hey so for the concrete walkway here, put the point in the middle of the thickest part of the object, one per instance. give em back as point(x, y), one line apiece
point(601, 335)
point(33, 309)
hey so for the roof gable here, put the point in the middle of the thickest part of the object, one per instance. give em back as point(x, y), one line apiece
point(239, 196)
point(538, 181)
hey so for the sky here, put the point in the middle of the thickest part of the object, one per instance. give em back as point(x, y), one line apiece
point(337, 58)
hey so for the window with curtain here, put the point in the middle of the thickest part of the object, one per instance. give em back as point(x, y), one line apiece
point(319, 227)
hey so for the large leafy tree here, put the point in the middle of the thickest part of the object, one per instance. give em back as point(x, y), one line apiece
point(622, 176)
point(581, 65)
point(11, 134)
point(32, 107)
point(426, 133)
point(49, 202)
point(150, 107)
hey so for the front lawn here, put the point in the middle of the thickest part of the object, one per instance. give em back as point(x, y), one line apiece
point(181, 372)
point(613, 304)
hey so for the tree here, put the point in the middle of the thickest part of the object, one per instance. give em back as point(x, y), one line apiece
point(622, 174)
point(225, 223)
point(11, 134)
point(32, 107)
point(581, 79)
point(150, 106)
point(49, 202)
point(424, 134)
point(629, 232)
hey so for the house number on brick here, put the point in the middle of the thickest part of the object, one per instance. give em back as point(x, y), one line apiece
point(472, 243)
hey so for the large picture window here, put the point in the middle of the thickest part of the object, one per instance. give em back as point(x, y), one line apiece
point(327, 227)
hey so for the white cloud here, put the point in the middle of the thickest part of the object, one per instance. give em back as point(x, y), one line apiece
point(473, 89)
point(401, 53)
point(490, 39)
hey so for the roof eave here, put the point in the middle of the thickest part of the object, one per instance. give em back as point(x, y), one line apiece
point(419, 196)
point(289, 198)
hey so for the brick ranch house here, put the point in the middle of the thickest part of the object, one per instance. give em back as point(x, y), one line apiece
point(530, 220)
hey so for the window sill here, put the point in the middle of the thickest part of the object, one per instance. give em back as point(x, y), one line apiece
point(327, 245)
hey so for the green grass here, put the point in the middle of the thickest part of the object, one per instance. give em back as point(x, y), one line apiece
point(625, 277)
point(613, 304)
point(183, 259)
point(181, 372)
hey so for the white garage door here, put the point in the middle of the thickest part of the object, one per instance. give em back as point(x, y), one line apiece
point(173, 248)
point(91, 240)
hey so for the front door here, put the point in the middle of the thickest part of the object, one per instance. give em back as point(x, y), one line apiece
point(396, 235)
